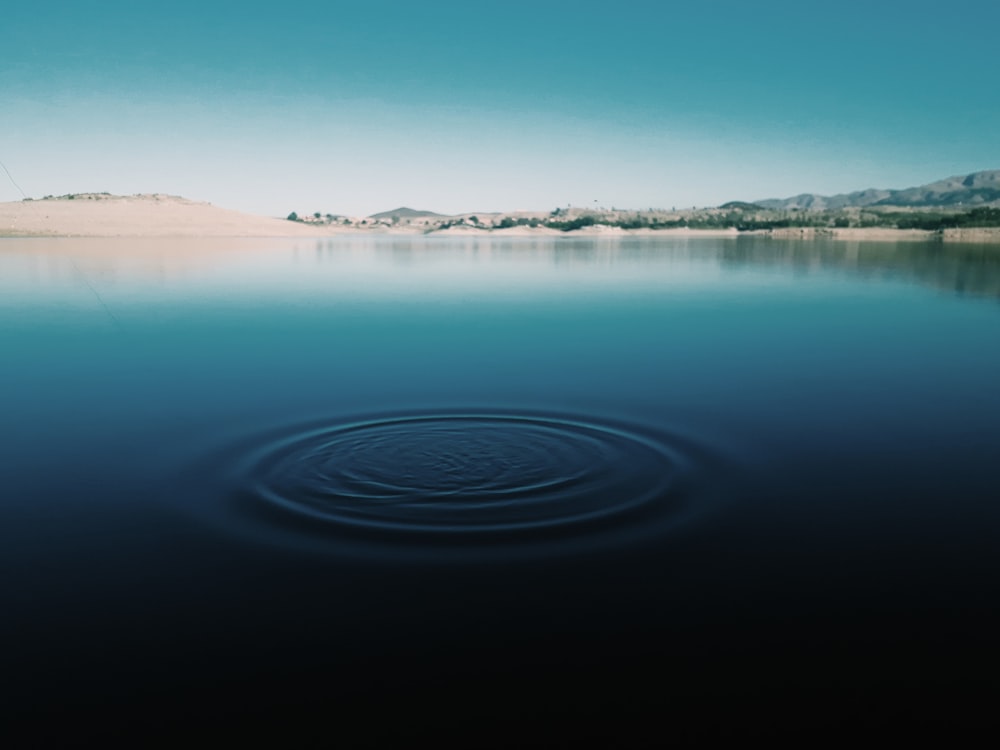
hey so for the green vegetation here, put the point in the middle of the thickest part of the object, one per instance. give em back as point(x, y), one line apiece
point(507, 222)
point(73, 196)
point(936, 221)
point(748, 218)
point(743, 217)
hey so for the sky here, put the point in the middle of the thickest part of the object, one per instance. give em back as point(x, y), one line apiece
point(352, 108)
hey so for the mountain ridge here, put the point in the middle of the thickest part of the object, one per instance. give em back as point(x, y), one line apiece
point(974, 189)
point(405, 213)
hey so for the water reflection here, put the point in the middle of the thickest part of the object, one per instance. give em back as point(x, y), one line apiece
point(957, 267)
point(106, 263)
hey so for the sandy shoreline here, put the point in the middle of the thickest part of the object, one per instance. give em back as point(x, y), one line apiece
point(139, 216)
point(152, 216)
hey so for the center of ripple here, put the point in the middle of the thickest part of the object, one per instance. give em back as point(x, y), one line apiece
point(462, 473)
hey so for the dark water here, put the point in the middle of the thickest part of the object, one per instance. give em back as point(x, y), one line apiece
point(509, 491)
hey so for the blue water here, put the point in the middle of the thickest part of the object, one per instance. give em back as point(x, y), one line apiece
point(476, 483)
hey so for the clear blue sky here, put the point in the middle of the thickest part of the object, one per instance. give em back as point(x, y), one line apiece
point(363, 106)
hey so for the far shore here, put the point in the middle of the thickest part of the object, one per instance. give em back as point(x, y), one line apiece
point(162, 216)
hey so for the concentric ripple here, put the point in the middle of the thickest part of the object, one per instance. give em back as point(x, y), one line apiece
point(462, 473)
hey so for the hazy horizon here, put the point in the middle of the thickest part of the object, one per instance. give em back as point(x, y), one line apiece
point(522, 106)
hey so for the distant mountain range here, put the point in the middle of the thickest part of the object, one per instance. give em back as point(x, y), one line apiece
point(976, 189)
point(405, 213)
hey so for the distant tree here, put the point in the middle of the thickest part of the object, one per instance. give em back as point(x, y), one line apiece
point(293, 216)
point(317, 215)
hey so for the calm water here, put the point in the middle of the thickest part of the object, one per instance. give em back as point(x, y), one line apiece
point(380, 486)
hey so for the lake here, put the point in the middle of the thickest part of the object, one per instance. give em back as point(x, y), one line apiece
point(373, 487)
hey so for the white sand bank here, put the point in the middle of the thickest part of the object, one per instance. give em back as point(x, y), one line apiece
point(93, 215)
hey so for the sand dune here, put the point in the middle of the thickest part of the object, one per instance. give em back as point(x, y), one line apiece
point(100, 215)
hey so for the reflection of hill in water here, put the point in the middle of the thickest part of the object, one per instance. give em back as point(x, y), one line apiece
point(972, 268)
point(962, 268)
point(959, 268)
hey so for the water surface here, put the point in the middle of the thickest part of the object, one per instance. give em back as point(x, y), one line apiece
point(497, 483)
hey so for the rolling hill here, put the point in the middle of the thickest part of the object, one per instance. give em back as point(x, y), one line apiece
point(967, 191)
point(405, 213)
